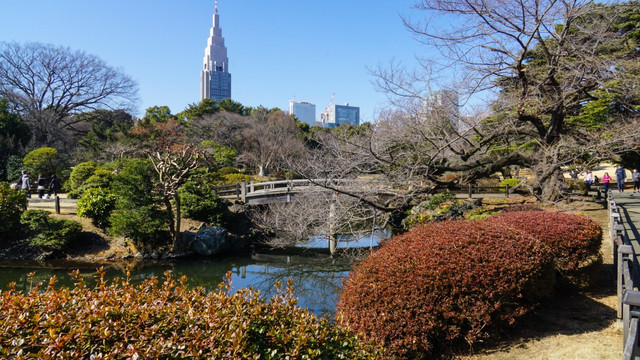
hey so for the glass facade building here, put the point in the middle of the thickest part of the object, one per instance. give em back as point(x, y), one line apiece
point(342, 115)
point(304, 111)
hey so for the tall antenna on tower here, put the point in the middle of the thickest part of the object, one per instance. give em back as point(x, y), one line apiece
point(216, 8)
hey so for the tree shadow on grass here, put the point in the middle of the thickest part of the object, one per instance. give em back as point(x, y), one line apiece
point(569, 313)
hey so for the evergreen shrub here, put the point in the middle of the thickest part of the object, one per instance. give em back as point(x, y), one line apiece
point(511, 182)
point(12, 204)
point(199, 201)
point(49, 233)
point(97, 204)
point(145, 225)
point(44, 160)
point(574, 240)
point(232, 179)
point(227, 170)
point(138, 213)
point(100, 178)
point(81, 172)
point(445, 284)
point(167, 320)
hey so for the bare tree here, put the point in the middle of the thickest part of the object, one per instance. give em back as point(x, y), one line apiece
point(268, 137)
point(225, 128)
point(318, 214)
point(47, 84)
point(551, 66)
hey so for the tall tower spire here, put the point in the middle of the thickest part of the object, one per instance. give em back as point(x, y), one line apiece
point(215, 79)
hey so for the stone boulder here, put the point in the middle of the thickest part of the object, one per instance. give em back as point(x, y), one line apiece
point(209, 240)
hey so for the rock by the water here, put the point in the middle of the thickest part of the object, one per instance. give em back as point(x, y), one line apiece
point(209, 240)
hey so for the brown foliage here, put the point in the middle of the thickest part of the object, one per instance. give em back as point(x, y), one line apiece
point(574, 240)
point(445, 284)
point(165, 320)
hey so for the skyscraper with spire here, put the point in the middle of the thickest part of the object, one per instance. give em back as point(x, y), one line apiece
point(215, 79)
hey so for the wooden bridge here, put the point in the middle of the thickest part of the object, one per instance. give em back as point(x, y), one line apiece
point(271, 191)
point(283, 190)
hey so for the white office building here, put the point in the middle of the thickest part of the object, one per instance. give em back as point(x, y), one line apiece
point(215, 79)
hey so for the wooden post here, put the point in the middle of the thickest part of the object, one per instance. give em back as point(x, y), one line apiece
point(57, 204)
point(506, 190)
point(619, 283)
point(373, 228)
point(333, 241)
point(470, 191)
point(243, 190)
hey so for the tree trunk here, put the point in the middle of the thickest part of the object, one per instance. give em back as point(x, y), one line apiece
point(170, 218)
point(552, 187)
point(262, 170)
point(177, 237)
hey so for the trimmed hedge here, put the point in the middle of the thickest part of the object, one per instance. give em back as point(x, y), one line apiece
point(166, 320)
point(574, 240)
point(446, 284)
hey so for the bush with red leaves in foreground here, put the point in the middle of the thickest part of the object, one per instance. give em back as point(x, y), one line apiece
point(446, 285)
point(166, 320)
point(574, 240)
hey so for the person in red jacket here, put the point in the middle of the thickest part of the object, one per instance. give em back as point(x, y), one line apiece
point(605, 180)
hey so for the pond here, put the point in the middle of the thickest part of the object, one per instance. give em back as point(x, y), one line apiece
point(317, 277)
point(317, 280)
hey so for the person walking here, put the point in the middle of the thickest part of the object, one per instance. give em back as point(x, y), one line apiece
point(54, 186)
point(606, 179)
point(635, 176)
point(41, 184)
point(621, 174)
point(25, 184)
point(588, 179)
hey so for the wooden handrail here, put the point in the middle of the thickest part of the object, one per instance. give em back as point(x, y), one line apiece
point(627, 277)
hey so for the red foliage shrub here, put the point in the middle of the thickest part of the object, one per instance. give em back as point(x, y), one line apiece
point(443, 284)
point(574, 240)
point(166, 320)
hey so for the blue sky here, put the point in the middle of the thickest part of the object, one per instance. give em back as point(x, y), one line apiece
point(277, 49)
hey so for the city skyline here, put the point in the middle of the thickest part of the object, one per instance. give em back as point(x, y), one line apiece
point(279, 51)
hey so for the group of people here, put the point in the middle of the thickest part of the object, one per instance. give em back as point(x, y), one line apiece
point(621, 176)
point(42, 184)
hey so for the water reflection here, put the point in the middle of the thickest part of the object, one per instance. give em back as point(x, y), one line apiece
point(317, 281)
point(371, 241)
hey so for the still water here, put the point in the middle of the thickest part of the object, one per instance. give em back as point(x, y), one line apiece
point(317, 280)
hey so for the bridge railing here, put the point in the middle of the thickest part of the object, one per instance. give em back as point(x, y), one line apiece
point(240, 190)
point(628, 275)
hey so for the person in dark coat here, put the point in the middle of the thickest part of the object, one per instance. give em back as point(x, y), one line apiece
point(42, 185)
point(621, 174)
point(54, 186)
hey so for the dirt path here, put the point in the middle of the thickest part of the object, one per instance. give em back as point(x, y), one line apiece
point(573, 326)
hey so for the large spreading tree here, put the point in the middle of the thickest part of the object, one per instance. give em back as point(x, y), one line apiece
point(46, 85)
point(559, 79)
